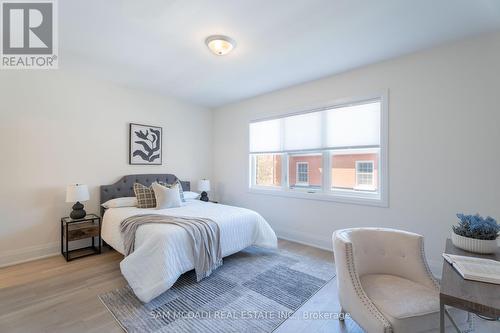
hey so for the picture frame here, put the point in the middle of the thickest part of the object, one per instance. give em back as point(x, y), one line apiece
point(145, 144)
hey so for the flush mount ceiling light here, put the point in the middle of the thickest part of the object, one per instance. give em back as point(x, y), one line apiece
point(220, 45)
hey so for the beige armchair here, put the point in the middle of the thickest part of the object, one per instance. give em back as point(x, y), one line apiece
point(384, 281)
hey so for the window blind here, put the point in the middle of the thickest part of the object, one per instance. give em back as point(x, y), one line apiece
point(302, 131)
point(265, 136)
point(331, 128)
point(357, 125)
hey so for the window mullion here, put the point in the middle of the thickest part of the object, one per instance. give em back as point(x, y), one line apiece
point(252, 170)
point(326, 171)
point(284, 172)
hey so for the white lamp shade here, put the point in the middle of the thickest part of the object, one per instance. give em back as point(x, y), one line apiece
point(204, 185)
point(77, 192)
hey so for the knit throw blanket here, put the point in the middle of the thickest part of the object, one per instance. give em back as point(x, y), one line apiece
point(204, 237)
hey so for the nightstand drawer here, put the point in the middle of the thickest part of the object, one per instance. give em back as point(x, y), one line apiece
point(82, 230)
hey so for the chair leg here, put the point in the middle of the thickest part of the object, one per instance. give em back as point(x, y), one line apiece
point(341, 314)
point(452, 321)
point(470, 323)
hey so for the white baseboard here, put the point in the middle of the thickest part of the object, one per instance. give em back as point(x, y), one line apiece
point(305, 239)
point(31, 253)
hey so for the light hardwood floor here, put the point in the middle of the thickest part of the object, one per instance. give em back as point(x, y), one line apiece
point(51, 296)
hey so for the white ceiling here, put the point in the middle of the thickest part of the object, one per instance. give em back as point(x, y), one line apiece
point(159, 44)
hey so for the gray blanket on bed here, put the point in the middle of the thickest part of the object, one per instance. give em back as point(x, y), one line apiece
point(204, 236)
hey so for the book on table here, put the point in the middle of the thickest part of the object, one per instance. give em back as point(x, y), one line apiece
point(477, 269)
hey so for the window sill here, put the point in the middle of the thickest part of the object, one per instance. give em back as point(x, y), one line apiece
point(348, 198)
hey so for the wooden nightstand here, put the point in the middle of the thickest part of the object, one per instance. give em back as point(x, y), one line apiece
point(72, 230)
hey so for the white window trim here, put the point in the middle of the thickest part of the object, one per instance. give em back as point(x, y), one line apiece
point(297, 182)
point(379, 199)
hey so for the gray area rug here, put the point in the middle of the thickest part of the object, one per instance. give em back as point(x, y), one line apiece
point(254, 291)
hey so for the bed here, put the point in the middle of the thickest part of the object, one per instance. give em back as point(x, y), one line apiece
point(162, 251)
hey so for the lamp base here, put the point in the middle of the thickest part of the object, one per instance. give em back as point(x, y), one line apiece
point(78, 211)
point(204, 196)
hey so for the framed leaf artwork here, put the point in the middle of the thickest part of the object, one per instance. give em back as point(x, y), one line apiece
point(145, 145)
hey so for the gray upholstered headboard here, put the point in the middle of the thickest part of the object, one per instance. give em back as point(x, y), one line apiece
point(125, 186)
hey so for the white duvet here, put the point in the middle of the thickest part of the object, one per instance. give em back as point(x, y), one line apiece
point(163, 252)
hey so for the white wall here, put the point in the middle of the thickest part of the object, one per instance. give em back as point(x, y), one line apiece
point(444, 136)
point(58, 128)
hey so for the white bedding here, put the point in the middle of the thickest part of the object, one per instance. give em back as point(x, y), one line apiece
point(163, 252)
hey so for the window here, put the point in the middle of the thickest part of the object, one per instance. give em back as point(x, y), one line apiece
point(355, 170)
point(289, 154)
point(303, 173)
point(267, 170)
point(364, 174)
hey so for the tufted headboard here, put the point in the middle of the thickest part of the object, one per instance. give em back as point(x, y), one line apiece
point(125, 186)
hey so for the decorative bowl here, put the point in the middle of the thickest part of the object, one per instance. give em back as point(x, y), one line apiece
point(474, 245)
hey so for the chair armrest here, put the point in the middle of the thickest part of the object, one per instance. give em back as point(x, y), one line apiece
point(426, 276)
point(353, 298)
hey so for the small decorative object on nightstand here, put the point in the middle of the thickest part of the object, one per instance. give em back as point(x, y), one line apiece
point(76, 193)
point(204, 187)
point(76, 229)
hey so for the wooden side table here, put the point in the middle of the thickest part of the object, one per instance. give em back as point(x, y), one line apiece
point(472, 296)
point(72, 230)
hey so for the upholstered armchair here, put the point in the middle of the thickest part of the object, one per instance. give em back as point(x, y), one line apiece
point(384, 282)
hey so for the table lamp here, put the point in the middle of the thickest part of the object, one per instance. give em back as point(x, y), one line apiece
point(76, 193)
point(204, 187)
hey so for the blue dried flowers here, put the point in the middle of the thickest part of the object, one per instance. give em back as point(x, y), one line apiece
point(475, 226)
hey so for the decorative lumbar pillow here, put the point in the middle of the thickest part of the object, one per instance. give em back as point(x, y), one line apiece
point(121, 202)
point(191, 195)
point(145, 196)
point(166, 197)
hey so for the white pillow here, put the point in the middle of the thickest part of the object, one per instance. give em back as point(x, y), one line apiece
point(166, 197)
point(121, 202)
point(191, 195)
